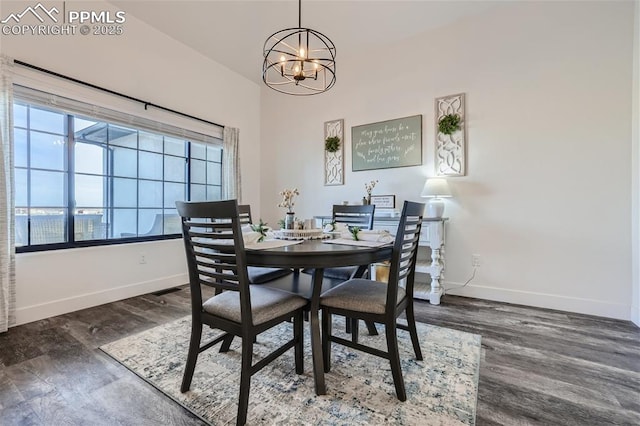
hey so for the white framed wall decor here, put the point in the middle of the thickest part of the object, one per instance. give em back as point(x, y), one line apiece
point(334, 160)
point(450, 146)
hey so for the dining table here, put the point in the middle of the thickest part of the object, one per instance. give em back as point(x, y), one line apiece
point(317, 255)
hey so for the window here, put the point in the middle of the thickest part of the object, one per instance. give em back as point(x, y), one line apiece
point(85, 181)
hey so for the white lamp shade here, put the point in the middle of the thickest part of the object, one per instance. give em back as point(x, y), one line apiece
point(436, 188)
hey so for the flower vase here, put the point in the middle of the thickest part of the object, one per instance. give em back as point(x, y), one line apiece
point(369, 199)
point(289, 220)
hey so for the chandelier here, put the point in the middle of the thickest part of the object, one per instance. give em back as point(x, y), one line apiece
point(299, 61)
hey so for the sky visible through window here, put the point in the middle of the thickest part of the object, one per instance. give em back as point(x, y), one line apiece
point(124, 181)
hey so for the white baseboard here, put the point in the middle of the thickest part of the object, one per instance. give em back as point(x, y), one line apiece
point(550, 301)
point(543, 300)
point(32, 313)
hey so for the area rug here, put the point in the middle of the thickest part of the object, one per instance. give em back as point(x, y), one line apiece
point(441, 389)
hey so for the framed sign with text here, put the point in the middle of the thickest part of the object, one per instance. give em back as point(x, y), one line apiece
point(384, 201)
point(386, 144)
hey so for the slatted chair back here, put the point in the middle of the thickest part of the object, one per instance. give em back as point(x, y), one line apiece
point(244, 211)
point(361, 216)
point(212, 236)
point(258, 274)
point(405, 252)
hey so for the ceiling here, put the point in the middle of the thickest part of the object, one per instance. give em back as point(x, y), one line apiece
point(233, 32)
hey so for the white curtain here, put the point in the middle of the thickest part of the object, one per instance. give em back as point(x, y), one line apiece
point(7, 217)
point(231, 164)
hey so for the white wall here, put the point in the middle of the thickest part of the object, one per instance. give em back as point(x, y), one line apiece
point(146, 64)
point(546, 202)
point(635, 161)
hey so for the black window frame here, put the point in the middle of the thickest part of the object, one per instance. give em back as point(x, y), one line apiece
point(69, 190)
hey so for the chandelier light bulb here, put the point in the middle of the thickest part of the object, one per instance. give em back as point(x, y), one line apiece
point(302, 53)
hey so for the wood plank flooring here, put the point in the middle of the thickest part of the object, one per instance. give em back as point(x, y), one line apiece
point(539, 367)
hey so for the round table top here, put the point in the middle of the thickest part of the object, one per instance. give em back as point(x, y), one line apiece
point(316, 254)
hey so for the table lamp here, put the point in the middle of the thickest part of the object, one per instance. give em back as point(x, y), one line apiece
point(436, 189)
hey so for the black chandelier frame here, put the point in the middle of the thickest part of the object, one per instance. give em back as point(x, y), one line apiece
point(287, 71)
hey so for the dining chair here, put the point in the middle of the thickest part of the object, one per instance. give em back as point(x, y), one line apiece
point(216, 257)
point(258, 274)
point(379, 302)
point(354, 215)
point(361, 216)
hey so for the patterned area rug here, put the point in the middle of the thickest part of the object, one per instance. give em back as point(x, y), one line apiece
point(441, 389)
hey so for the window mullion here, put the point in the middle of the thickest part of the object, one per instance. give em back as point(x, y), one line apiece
point(188, 160)
point(71, 201)
point(28, 176)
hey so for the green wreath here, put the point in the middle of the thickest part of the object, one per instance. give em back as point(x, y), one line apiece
point(332, 143)
point(449, 124)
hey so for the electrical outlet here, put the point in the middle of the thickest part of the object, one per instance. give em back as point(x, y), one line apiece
point(142, 259)
point(475, 260)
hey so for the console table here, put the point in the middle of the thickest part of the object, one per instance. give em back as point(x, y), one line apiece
point(433, 237)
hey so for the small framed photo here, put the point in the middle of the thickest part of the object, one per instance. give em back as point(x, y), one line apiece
point(384, 201)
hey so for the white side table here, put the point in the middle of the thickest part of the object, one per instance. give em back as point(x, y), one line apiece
point(432, 236)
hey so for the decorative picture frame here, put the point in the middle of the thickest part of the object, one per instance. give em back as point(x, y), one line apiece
point(387, 144)
point(334, 161)
point(451, 147)
point(384, 201)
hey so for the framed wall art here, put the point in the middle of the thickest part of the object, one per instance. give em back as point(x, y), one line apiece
point(386, 144)
point(384, 201)
point(334, 152)
point(451, 149)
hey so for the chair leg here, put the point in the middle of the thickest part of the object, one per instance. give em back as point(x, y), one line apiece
point(298, 323)
point(371, 326)
point(245, 379)
point(411, 322)
point(192, 357)
point(394, 360)
point(326, 343)
point(226, 343)
point(347, 326)
point(355, 329)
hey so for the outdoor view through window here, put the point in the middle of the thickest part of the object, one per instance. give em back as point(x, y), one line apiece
point(79, 179)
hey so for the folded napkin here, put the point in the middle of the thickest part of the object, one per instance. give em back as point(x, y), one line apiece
point(334, 227)
point(375, 235)
point(251, 237)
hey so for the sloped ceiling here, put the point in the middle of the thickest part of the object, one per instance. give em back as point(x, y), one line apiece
point(233, 32)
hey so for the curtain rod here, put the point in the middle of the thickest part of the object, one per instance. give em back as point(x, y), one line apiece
point(131, 98)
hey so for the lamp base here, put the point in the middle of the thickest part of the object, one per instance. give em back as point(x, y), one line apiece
point(435, 208)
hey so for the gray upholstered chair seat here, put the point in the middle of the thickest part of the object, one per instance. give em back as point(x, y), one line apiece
point(360, 295)
point(260, 275)
point(266, 304)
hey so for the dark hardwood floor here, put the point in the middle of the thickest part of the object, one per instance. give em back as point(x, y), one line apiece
point(538, 366)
